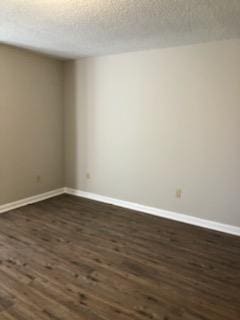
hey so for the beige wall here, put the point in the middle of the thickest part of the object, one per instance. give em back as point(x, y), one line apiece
point(31, 124)
point(144, 124)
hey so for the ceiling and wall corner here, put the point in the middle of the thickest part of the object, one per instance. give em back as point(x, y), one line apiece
point(74, 28)
point(181, 99)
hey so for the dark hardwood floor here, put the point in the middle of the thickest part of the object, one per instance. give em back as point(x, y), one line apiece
point(69, 258)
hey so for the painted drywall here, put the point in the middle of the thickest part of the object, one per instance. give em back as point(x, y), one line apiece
point(138, 126)
point(31, 124)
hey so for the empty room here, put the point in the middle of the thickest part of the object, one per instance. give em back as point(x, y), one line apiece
point(120, 160)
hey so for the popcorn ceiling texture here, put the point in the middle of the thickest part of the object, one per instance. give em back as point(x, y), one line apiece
point(75, 28)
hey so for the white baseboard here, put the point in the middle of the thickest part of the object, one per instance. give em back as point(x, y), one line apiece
point(30, 200)
point(158, 212)
point(125, 204)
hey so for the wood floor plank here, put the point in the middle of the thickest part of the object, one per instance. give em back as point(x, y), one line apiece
point(72, 258)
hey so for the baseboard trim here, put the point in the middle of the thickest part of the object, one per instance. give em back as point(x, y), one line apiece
point(30, 200)
point(208, 224)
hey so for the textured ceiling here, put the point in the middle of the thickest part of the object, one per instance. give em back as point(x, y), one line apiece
point(74, 28)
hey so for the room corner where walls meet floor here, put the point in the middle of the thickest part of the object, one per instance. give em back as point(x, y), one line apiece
point(212, 225)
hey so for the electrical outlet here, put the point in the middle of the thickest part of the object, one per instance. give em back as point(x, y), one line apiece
point(88, 176)
point(179, 193)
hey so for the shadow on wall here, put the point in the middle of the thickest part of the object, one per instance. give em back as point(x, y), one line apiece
point(78, 122)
